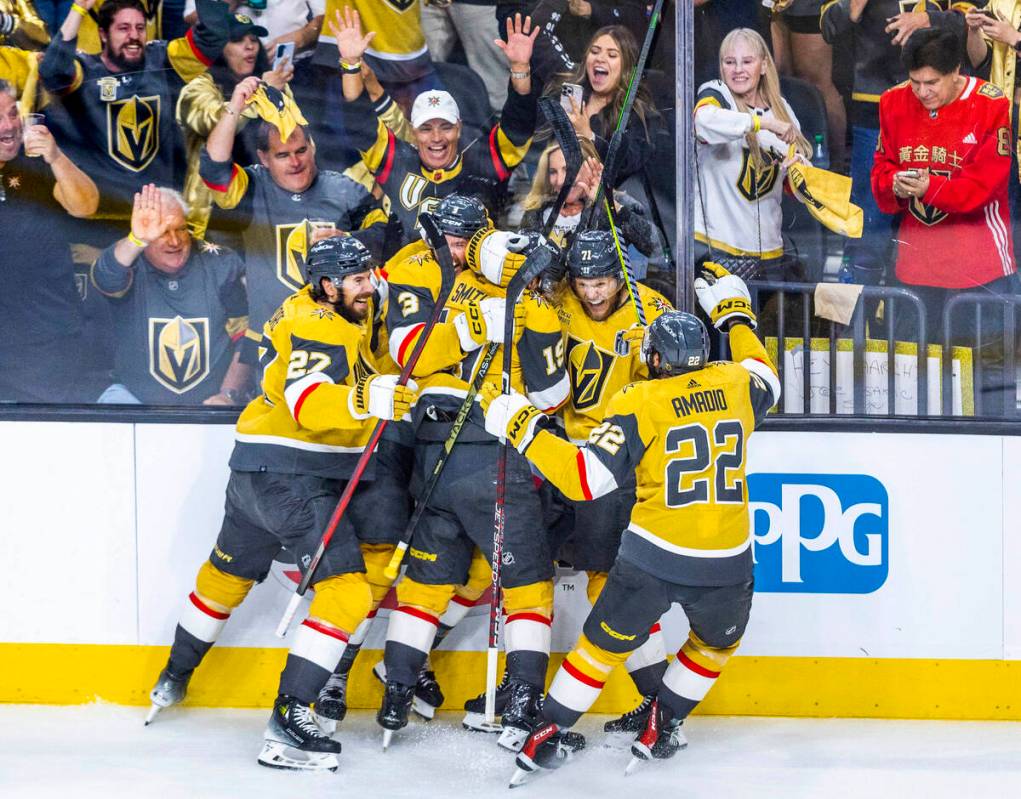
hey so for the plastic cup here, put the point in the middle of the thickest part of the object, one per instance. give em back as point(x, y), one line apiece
point(28, 123)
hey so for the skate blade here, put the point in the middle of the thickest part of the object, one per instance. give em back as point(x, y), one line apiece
point(633, 766)
point(519, 778)
point(151, 715)
point(512, 739)
point(278, 755)
point(423, 709)
point(476, 722)
point(387, 738)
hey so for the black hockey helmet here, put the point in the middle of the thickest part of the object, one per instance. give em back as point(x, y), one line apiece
point(681, 341)
point(593, 254)
point(460, 215)
point(336, 258)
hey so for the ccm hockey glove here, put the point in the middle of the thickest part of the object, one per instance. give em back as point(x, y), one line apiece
point(382, 397)
point(724, 297)
point(482, 322)
point(510, 416)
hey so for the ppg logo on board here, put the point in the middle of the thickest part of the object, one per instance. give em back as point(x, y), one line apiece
point(819, 533)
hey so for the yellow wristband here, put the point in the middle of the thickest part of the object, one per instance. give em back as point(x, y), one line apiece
point(137, 241)
point(756, 123)
point(79, 9)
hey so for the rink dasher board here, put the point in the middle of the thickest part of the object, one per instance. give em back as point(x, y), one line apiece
point(887, 579)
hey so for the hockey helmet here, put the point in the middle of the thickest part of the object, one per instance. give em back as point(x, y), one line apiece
point(593, 254)
point(460, 215)
point(681, 341)
point(336, 258)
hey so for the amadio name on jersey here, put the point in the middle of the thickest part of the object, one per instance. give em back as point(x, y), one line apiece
point(819, 533)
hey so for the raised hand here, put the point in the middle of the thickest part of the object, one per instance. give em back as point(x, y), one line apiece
point(587, 182)
point(579, 117)
point(147, 222)
point(906, 23)
point(280, 75)
point(346, 29)
point(521, 38)
point(243, 92)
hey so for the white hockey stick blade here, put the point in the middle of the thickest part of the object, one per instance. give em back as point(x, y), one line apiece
point(151, 715)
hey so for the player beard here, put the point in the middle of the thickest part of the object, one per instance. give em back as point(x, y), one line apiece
point(346, 307)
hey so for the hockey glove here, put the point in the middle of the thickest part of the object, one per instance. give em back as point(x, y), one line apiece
point(630, 340)
point(724, 297)
point(510, 416)
point(382, 397)
point(496, 255)
point(482, 322)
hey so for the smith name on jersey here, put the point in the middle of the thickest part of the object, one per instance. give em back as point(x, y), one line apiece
point(685, 439)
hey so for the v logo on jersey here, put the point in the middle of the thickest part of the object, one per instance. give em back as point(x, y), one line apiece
point(179, 352)
point(589, 367)
point(133, 131)
point(753, 183)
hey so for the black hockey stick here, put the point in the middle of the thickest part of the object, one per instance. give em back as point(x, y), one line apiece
point(538, 261)
point(564, 133)
point(610, 166)
point(434, 237)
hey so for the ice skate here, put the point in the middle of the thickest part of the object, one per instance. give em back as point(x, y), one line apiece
point(331, 705)
point(428, 695)
point(475, 709)
point(662, 738)
point(295, 741)
point(170, 689)
point(520, 715)
point(548, 747)
point(393, 713)
point(621, 732)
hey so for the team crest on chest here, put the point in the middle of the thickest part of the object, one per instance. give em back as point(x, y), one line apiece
point(589, 366)
point(757, 183)
point(133, 131)
point(411, 190)
point(179, 352)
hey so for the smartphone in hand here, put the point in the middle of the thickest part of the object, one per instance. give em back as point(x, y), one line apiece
point(284, 51)
point(569, 92)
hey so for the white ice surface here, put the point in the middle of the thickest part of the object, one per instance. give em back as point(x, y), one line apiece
point(104, 751)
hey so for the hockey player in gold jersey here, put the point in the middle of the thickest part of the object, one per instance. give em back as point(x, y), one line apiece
point(684, 435)
point(296, 445)
point(458, 519)
point(595, 311)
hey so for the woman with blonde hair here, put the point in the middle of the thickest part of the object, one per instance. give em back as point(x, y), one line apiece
point(745, 131)
point(550, 172)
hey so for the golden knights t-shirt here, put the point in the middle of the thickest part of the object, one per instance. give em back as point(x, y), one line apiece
point(175, 333)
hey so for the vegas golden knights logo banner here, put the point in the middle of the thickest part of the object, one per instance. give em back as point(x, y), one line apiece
point(293, 241)
point(589, 367)
point(179, 352)
point(133, 131)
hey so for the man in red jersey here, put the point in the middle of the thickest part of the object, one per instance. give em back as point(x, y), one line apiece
point(943, 165)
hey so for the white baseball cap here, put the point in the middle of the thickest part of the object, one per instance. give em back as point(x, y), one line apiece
point(434, 104)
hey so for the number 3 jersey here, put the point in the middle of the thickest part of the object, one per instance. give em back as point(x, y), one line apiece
point(302, 424)
point(685, 438)
point(958, 234)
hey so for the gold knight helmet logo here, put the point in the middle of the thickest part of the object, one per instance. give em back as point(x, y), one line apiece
point(179, 352)
point(293, 240)
point(589, 366)
point(133, 131)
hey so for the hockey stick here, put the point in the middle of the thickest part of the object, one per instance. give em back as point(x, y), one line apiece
point(534, 265)
point(629, 281)
point(611, 168)
point(434, 237)
point(568, 141)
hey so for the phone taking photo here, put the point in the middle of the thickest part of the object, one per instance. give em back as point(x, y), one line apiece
point(569, 92)
point(283, 51)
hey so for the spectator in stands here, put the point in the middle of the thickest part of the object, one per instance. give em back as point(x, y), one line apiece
point(39, 305)
point(473, 23)
point(21, 26)
point(89, 38)
point(879, 29)
point(800, 50)
point(609, 60)
point(120, 103)
point(179, 310)
point(943, 167)
point(550, 172)
point(744, 130)
point(414, 179)
point(271, 200)
point(203, 102)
